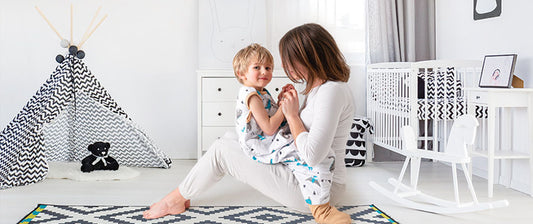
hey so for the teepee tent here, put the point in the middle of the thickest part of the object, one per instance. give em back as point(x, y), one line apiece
point(69, 112)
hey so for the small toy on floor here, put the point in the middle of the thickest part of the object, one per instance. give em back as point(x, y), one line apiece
point(99, 158)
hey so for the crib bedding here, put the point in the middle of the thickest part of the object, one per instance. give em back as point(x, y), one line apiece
point(449, 108)
point(426, 110)
point(437, 99)
point(400, 94)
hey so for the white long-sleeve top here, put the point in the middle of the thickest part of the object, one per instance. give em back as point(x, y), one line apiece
point(327, 113)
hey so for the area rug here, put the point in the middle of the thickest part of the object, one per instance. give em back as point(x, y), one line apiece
point(194, 215)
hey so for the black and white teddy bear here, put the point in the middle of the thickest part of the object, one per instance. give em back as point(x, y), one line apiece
point(99, 158)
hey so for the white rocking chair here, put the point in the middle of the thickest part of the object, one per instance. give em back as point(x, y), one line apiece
point(463, 133)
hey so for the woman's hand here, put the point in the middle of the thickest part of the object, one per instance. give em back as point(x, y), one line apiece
point(290, 108)
point(289, 103)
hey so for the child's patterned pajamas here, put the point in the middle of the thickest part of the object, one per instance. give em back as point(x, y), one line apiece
point(315, 182)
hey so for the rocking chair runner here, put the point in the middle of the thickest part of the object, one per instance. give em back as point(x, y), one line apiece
point(463, 133)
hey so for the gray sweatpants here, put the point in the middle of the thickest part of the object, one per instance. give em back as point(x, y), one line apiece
point(275, 181)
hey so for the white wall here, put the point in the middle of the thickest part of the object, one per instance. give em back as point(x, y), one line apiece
point(460, 37)
point(144, 54)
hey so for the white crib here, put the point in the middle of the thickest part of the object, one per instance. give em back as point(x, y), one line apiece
point(425, 95)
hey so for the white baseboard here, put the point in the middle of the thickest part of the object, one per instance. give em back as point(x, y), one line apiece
point(521, 186)
point(518, 185)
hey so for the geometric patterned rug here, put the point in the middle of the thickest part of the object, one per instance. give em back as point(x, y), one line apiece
point(194, 215)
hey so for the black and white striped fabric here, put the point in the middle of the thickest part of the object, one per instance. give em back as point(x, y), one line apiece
point(447, 84)
point(446, 107)
point(356, 144)
point(442, 97)
point(70, 111)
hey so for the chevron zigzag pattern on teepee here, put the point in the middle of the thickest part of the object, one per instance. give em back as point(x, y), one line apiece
point(70, 111)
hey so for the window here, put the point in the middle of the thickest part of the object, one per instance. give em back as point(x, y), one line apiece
point(344, 19)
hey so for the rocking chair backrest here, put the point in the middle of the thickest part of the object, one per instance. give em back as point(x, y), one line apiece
point(463, 133)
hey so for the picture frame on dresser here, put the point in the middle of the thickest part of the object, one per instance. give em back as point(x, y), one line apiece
point(497, 71)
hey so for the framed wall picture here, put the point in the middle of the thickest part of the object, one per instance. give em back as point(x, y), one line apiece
point(484, 9)
point(497, 71)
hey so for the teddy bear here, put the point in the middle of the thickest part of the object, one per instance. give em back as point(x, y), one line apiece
point(99, 158)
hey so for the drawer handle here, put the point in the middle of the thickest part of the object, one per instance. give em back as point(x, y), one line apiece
point(219, 114)
point(219, 89)
point(477, 97)
point(277, 89)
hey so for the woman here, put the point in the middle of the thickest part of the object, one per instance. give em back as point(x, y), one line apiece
point(309, 54)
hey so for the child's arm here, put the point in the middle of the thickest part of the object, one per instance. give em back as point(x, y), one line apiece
point(269, 125)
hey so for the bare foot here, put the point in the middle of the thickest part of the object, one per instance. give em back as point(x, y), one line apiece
point(172, 204)
point(187, 204)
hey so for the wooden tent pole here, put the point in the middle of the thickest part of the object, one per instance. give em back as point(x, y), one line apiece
point(92, 31)
point(91, 24)
point(48, 21)
point(71, 23)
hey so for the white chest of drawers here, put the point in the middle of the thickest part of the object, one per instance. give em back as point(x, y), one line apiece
point(217, 94)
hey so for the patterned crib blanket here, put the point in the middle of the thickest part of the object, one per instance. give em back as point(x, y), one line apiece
point(431, 109)
point(440, 95)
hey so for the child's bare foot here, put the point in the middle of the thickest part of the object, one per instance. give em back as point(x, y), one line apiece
point(172, 204)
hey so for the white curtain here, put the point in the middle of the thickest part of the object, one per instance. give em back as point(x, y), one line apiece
point(400, 30)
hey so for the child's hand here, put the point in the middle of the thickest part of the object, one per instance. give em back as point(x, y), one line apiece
point(288, 87)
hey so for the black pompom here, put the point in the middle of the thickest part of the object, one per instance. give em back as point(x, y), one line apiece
point(80, 54)
point(73, 49)
point(60, 58)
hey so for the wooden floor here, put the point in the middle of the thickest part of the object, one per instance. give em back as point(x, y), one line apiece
point(153, 184)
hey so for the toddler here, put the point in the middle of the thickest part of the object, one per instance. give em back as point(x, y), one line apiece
point(263, 134)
